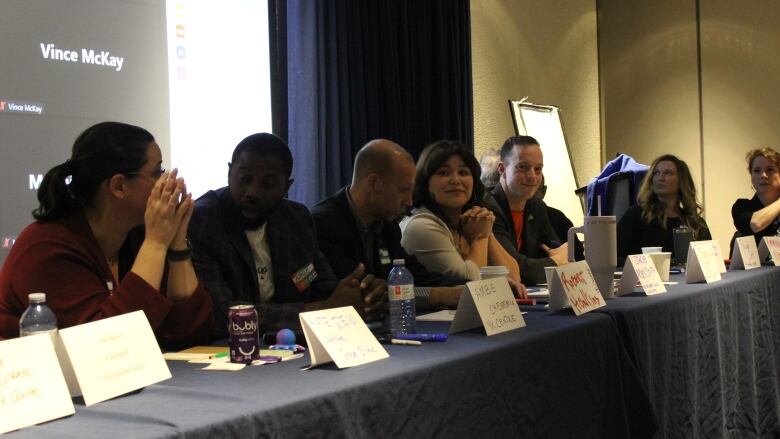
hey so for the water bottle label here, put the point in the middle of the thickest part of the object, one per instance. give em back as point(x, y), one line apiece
point(400, 292)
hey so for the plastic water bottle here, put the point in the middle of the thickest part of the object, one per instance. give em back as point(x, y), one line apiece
point(400, 291)
point(38, 318)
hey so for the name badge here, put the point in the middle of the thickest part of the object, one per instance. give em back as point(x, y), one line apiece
point(304, 277)
point(384, 256)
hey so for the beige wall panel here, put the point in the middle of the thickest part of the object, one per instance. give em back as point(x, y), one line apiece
point(649, 81)
point(546, 51)
point(740, 97)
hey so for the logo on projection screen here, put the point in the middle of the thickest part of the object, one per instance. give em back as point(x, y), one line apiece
point(8, 241)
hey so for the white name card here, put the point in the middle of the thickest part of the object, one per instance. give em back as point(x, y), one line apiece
point(32, 388)
point(640, 268)
point(704, 262)
point(110, 357)
point(770, 246)
point(489, 303)
point(745, 254)
point(580, 287)
point(341, 336)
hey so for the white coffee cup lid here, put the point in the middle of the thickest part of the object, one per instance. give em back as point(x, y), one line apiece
point(494, 269)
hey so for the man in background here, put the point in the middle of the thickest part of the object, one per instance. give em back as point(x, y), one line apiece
point(488, 161)
point(560, 222)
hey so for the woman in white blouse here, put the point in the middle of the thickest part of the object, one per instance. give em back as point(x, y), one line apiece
point(450, 231)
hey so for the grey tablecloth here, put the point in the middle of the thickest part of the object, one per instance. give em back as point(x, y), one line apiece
point(709, 354)
point(560, 377)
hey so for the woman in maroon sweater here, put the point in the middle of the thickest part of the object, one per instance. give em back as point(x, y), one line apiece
point(108, 219)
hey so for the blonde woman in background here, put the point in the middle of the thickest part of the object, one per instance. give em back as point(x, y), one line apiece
point(667, 200)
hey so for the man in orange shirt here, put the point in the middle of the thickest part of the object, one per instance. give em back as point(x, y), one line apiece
point(522, 225)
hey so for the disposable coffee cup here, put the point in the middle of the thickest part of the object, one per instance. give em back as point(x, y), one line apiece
point(491, 271)
point(548, 274)
point(662, 262)
point(647, 250)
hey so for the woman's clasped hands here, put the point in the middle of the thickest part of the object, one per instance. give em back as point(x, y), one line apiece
point(168, 211)
point(477, 223)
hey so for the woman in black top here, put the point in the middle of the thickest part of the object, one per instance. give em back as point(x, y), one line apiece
point(758, 216)
point(667, 199)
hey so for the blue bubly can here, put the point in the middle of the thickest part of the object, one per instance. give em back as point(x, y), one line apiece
point(243, 329)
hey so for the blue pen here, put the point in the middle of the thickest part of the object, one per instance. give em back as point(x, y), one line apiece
point(423, 337)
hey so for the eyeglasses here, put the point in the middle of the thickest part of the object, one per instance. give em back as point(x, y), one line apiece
point(155, 175)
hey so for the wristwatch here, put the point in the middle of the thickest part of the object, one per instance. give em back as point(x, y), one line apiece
point(180, 255)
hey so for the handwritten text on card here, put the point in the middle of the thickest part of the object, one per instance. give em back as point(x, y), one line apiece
point(580, 287)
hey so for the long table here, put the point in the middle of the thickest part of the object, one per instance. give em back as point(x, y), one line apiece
point(709, 354)
point(560, 377)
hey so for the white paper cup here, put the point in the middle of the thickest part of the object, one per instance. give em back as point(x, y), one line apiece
point(662, 261)
point(647, 250)
point(491, 271)
point(548, 274)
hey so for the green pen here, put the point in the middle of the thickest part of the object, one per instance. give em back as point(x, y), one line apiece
point(220, 355)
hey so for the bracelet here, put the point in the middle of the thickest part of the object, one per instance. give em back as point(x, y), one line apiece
point(180, 255)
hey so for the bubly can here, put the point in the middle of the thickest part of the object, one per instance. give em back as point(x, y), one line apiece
point(243, 329)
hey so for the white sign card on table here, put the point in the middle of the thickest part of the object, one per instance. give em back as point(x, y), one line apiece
point(745, 254)
point(32, 388)
point(704, 262)
point(640, 268)
point(489, 303)
point(110, 357)
point(341, 336)
point(580, 287)
point(770, 246)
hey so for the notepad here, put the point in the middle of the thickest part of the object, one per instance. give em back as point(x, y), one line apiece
point(196, 353)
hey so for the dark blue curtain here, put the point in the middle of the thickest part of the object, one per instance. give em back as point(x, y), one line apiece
point(363, 69)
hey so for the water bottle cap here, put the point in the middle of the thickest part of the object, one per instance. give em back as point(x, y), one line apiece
point(399, 262)
point(36, 297)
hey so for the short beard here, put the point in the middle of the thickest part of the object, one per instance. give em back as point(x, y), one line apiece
point(251, 224)
point(255, 223)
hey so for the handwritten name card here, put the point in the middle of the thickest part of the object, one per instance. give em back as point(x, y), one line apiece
point(640, 268)
point(704, 262)
point(489, 303)
point(32, 388)
point(341, 336)
point(111, 357)
point(770, 246)
point(580, 287)
point(745, 254)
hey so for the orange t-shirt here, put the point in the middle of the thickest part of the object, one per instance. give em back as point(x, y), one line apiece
point(517, 220)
